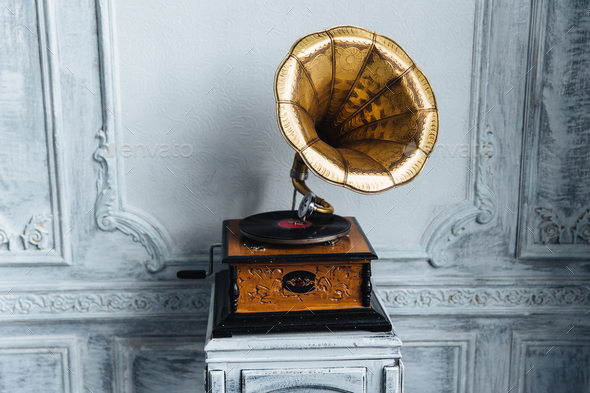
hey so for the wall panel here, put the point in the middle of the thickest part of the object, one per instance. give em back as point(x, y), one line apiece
point(554, 361)
point(160, 364)
point(28, 363)
point(439, 362)
point(33, 218)
point(555, 192)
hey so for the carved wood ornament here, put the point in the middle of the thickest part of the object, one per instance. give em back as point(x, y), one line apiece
point(290, 287)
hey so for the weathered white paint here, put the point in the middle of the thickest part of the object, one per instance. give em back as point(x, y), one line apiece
point(216, 381)
point(349, 380)
point(352, 361)
point(168, 57)
point(555, 190)
point(32, 135)
point(153, 364)
point(550, 358)
point(393, 380)
point(455, 350)
point(51, 361)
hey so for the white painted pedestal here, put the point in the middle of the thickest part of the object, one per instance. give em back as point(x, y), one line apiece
point(351, 361)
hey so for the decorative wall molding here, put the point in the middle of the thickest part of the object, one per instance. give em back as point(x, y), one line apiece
point(195, 301)
point(464, 341)
point(486, 300)
point(64, 347)
point(51, 236)
point(110, 212)
point(480, 204)
point(522, 341)
point(6, 234)
point(37, 232)
point(550, 230)
point(545, 230)
point(53, 124)
point(126, 349)
point(581, 229)
point(66, 304)
point(111, 216)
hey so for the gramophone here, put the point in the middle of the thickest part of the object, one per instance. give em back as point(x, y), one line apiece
point(360, 114)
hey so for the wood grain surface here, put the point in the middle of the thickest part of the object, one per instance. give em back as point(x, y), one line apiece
point(336, 285)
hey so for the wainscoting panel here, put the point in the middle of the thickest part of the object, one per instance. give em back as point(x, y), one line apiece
point(439, 362)
point(89, 355)
point(555, 193)
point(29, 363)
point(33, 215)
point(554, 361)
point(161, 364)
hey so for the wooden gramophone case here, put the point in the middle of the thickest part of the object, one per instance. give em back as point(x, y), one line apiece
point(296, 288)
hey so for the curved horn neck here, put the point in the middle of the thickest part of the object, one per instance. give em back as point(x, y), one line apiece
point(299, 173)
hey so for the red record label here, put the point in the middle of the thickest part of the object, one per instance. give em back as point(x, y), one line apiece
point(294, 224)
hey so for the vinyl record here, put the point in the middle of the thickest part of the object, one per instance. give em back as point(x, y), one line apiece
point(284, 227)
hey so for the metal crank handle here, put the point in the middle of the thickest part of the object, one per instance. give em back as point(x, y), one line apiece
point(199, 274)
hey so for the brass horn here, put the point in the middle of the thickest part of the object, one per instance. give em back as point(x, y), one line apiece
point(357, 110)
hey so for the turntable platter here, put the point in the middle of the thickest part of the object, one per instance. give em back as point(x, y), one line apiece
point(285, 227)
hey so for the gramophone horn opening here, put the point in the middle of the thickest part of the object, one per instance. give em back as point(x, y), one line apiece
point(351, 102)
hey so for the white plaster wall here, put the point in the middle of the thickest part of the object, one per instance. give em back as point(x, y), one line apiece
point(90, 283)
point(202, 75)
